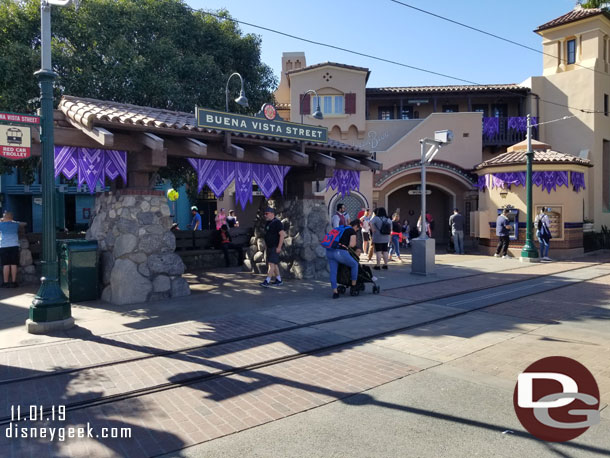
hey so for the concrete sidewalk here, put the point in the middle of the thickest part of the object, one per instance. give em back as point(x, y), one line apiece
point(230, 291)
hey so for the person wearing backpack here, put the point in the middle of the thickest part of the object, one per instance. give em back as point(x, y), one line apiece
point(381, 228)
point(336, 243)
point(543, 232)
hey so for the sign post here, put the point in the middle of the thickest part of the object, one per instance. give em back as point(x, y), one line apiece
point(16, 135)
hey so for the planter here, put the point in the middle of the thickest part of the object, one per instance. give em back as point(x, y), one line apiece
point(587, 227)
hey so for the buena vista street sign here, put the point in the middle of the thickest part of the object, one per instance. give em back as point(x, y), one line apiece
point(266, 122)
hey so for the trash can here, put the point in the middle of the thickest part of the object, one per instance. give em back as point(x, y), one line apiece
point(78, 269)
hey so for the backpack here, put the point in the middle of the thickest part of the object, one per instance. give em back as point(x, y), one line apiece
point(331, 239)
point(386, 226)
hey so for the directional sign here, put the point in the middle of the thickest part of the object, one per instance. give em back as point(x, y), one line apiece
point(417, 192)
point(15, 142)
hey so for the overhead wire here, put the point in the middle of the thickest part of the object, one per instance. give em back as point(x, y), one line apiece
point(381, 59)
point(493, 35)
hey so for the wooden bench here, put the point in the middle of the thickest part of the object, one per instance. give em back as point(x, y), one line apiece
point(197, 251)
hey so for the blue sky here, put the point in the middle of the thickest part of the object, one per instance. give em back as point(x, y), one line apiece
point(388, 30)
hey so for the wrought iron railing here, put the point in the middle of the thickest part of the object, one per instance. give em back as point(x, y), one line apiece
point(506, 131)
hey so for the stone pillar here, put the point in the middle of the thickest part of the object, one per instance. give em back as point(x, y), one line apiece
point(136, 246)
point(302, 255)
point(26, 271)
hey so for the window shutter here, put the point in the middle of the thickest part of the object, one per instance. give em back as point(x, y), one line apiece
point(350, 103)
point(305, 103)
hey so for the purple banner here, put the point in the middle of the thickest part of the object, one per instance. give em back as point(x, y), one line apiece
point(344, 181)
point(219, 174)
point(92, 165)
point(491, 127)
point(548, 180)
point(243, 184)
point(578, 180)
point(500, 180)
point(66, 161)
point(116, 165)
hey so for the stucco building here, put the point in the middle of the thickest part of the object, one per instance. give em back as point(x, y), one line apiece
point(485, 119)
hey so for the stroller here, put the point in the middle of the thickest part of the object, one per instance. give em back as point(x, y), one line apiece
point(365, 275)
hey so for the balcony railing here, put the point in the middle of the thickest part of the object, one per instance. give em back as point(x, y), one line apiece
point(506, 131)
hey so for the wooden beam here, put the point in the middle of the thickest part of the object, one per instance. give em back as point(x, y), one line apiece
point(323, 159)
point(298, 156)
point(151, 141)
point(350, 163)
point(266, 153)
point(186, 145)
point(232, 150)
point(159, 158)
point(99, 134)
point(371, 164)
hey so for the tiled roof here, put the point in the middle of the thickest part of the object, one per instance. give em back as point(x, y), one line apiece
point(89, 112)
point(332, 64)
point(540, 157)
point(572, 16)
point(455, 88)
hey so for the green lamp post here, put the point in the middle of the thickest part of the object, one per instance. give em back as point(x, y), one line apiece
point(529, 253)
point(50, 309)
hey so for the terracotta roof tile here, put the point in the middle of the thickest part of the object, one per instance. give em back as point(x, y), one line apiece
point(540, 157)
point(453, 88)
point(88, 112)
point(572, 16)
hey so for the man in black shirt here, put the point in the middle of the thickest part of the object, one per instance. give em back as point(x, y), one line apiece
point(274, 239)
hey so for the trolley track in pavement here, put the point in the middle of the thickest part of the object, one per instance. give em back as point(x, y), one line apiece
point(191, 380)
point(165, 353)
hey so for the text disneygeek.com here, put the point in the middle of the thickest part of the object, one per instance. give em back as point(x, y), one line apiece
point(61, 433)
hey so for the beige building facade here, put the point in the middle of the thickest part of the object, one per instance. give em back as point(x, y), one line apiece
point(569, 100)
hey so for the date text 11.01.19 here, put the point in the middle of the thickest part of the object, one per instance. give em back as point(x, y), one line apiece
point(38, 413)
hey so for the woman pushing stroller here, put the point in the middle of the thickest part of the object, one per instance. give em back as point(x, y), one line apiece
point(341, 255)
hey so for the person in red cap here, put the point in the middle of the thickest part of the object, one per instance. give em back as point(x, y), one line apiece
point(274, 239)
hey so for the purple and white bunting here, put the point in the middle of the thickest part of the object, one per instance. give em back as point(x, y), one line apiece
point(547, 180)
point(91, 165)
point(218, 175)
point(344, 181)
point(578, 180)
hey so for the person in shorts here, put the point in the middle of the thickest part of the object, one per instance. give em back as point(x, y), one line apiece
point(274, 239)
point(9, 249)
point(380, 240)
point(366, 229)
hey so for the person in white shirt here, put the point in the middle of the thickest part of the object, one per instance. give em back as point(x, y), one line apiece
point(543, 232)
point(366, 230)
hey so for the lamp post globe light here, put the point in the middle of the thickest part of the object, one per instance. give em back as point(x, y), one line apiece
point(50, 309)
point(317, 114)
point(241, 100)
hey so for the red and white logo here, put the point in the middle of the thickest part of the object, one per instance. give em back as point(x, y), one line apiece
point(269, 111)
point(556, 399)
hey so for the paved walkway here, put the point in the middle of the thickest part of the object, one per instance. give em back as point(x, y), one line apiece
point(568, 316)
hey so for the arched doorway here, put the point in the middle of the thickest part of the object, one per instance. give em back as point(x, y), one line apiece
point(354, 202)
point(439, 204)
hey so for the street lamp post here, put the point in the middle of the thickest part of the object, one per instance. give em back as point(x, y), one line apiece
point(422, 254)
point(529, 252)
point(241, 100)
point(317, 114)
point(50, 309)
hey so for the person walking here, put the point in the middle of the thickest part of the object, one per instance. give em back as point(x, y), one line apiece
point(503, 233)
point(456, 223)
point(395, 237)
point(9, 249)
point(381, 228)
point(543, 232)
point(340, 218)
point(196, 221)
point(366, 230)
point(341, 255)
point(274, 239)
